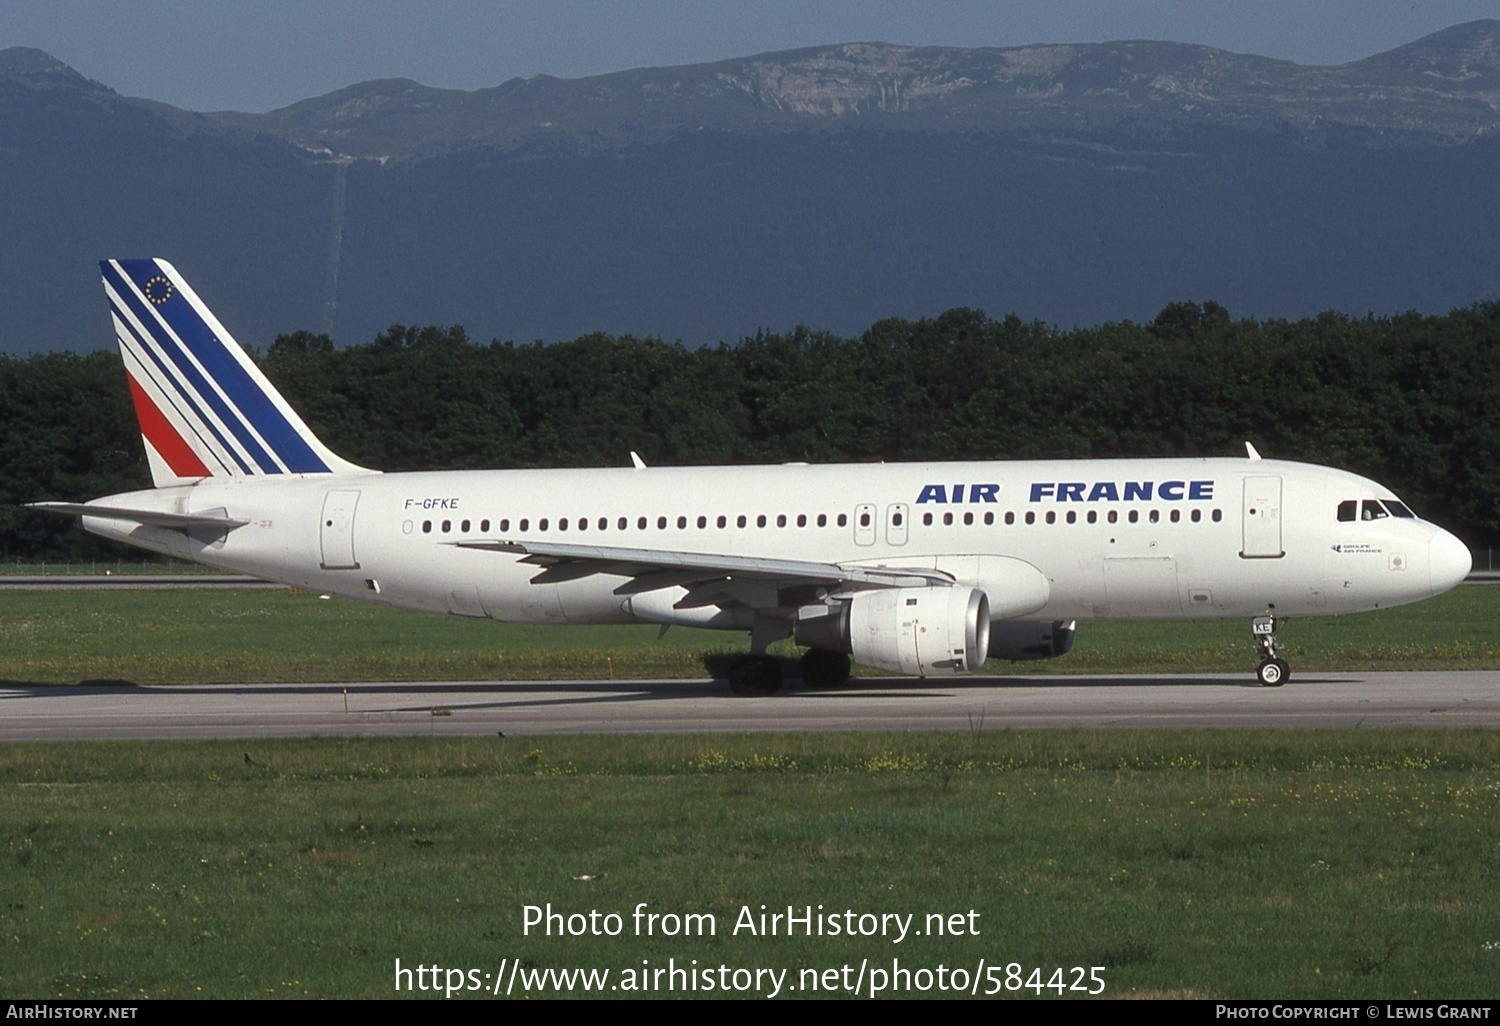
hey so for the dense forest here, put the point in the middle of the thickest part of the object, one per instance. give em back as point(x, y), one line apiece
point(1408, 400)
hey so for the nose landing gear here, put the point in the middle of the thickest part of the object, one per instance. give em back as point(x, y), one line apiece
point(1273, 671)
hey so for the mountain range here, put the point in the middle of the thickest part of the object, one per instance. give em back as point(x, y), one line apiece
point(832, 186)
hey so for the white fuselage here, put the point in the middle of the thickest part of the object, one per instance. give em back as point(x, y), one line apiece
point(1108, 539)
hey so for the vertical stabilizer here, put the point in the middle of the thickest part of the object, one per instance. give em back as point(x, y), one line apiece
point(205, 409)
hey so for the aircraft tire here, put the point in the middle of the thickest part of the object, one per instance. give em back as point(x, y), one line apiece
point(755, 676)
point(1273, 673)
point(821, 668)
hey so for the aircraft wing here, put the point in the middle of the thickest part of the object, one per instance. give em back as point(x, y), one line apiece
point(650, 569)
point(149, 517)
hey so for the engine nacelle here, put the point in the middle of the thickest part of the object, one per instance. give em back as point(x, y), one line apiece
point(921, 631)
point(1023, 640)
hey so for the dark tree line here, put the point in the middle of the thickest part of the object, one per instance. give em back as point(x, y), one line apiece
point(1408, 400)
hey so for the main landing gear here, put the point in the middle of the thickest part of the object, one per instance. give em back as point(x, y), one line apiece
point(1273, 671)
point(755, 676)
point(758, 674)
point(821, 668)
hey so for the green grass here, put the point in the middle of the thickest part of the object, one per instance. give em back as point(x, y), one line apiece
point(264, 635)
point(1203, 864)
point(95, 567)
point(1457, 630)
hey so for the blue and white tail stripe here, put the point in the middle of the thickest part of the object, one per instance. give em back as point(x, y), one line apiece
point(205, 409)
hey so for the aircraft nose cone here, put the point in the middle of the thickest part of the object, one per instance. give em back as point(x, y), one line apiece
point(1450, 561)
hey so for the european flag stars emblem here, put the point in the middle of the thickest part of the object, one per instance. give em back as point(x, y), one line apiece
point(158, 290)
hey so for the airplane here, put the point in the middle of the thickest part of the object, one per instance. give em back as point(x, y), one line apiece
point(924, 569)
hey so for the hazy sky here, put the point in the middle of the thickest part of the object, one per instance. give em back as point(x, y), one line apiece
point(255, 55)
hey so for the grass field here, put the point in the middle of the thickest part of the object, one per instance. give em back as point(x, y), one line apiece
point(1193, 864)
point(145, 565)
point(265, 635)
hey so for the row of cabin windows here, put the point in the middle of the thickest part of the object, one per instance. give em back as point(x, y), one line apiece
point(822, 519)
point(1090, 517)
point(643, 523)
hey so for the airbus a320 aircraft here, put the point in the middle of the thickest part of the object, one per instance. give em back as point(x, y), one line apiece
point(921, 568)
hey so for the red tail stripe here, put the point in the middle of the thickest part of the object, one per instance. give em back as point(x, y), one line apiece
point(163, 436)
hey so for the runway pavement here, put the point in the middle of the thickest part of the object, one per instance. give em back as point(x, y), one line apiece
point(1336, 700)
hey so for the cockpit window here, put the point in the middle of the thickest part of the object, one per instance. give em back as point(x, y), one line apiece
point(1372, 510)
point(1348, 511)
point(1399, 509)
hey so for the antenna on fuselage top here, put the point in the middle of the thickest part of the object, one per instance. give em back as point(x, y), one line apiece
point(1249, 451)
point(635, 458)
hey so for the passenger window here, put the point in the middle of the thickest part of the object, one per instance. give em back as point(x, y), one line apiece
point(822, 519)
point(681, 523)
point(562, 525)
point(1072, 517)
point(1218, 515)
point(640, 523)
point(927, 519)
point(1030, 517)
point(947, 519)
point(781, 520)
point(525, 524)
point(661, 523)
point(1155, 516)
point(897, 519)
point(864, 520)
point(604, 523)
point(1114, 516)
point(1010, 517)
point(1093, 516)
point(723, 521)
point(843, 520)
point(583, 523)
point(801, 519)
point(989, 518)
point(1348, 511)
point(1052, 516)
point(1135, 516)
point(505, 525)
point(464, 527)
point(622, 523)
point(427, 527)
point(739, 521)
point(969, 519)
point(541, 525)
point(760, 521)
point(1176, 515)
point(1197, 515)
point(702, 523)
point(447, 526)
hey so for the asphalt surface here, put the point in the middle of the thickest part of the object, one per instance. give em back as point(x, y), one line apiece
point(1329, 700)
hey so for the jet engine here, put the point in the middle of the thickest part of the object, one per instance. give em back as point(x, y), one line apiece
point(1023, 640)
point(921, 631)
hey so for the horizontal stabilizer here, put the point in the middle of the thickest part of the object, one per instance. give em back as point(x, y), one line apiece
point(150, 517)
